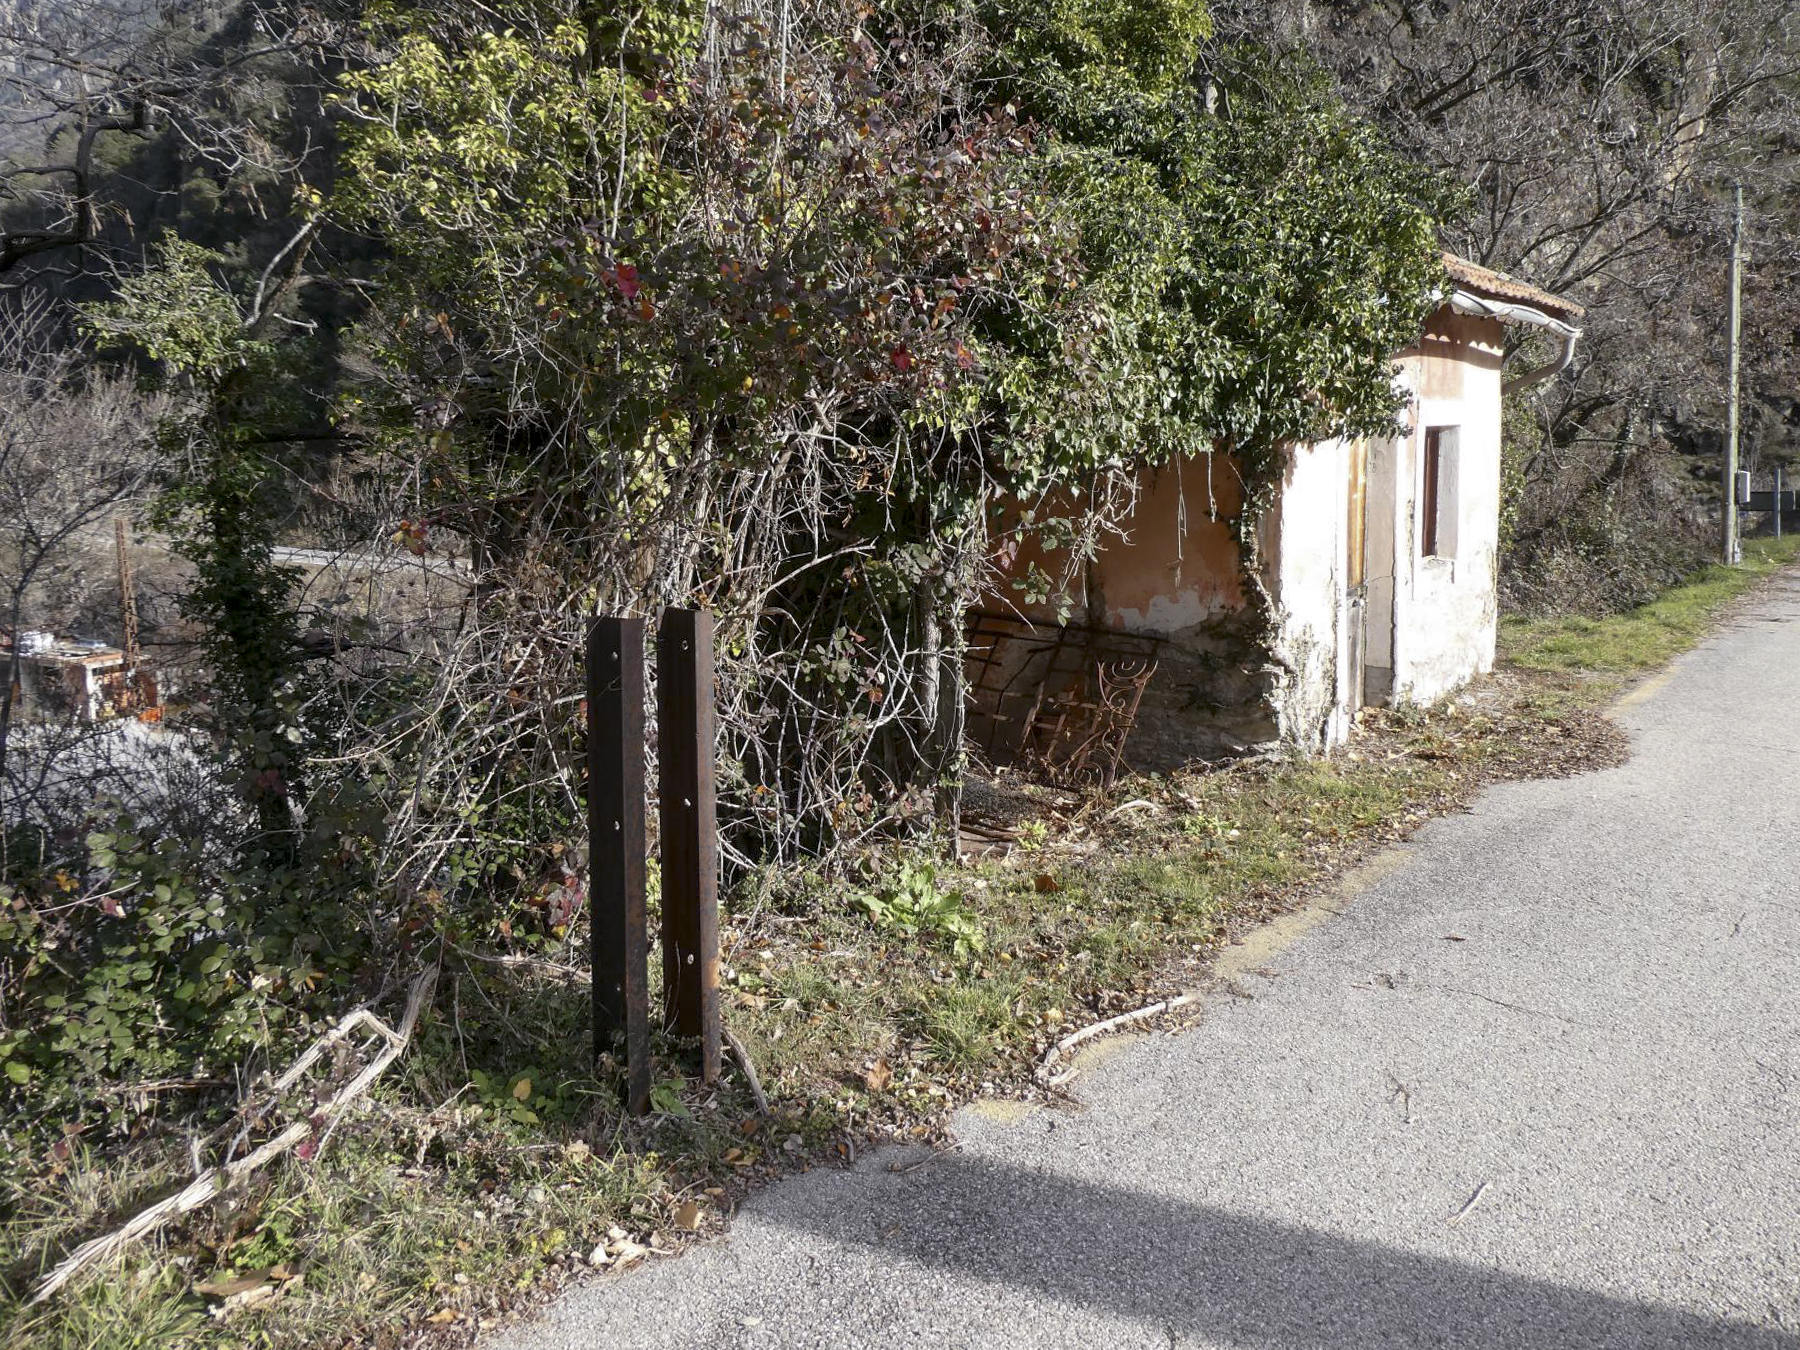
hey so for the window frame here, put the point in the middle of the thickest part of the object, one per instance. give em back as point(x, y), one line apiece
point(1439, 492)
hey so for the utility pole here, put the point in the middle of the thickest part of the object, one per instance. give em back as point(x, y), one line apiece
point(128, 615)
point(1729, 552)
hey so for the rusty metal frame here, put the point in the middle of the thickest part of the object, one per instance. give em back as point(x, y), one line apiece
point(1060, 699)
point(616, 848)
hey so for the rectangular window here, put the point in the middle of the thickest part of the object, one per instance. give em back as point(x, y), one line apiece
point(1438, 505)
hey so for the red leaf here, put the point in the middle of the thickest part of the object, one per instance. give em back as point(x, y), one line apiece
point(902, 359)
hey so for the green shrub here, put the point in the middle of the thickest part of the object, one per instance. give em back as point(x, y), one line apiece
point(150, 958)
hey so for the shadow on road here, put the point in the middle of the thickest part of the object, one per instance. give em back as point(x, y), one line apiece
point(1233, 1279)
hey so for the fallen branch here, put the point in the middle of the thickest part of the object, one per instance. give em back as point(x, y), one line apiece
point(1139, 804)
point(1087, 1033)
point(158, 1085)
point(215, 1179)
point(743, 1059)
point(1469, 1204)
point(995, 834)
point(906, 1169)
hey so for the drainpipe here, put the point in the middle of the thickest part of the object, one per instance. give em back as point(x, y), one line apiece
point(1464, 303)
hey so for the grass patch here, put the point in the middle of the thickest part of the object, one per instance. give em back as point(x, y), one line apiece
point(1125, 906)
point(431, 1206)
point(1643, 638)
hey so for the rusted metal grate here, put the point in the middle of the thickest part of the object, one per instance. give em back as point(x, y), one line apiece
point(1059, 699)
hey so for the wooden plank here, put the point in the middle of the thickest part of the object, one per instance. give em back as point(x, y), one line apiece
point(616, 849)
point(686, 727)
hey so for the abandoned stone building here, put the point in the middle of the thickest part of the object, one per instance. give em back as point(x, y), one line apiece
point(1377, 560)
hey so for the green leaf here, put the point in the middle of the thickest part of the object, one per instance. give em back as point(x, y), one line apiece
point(666, 1097)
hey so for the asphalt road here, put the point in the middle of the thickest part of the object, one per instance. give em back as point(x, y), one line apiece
point(1607, 1065)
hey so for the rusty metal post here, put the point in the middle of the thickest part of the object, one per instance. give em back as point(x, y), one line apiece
point(686, 721)
point(616, 849)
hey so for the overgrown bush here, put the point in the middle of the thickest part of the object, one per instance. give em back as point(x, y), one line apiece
point(1597, 530)
point(799, 320)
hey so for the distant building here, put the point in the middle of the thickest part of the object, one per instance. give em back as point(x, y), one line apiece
point(62, 679)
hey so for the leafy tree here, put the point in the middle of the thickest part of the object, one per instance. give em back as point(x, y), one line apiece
point(733, 355)
point(1261, 252)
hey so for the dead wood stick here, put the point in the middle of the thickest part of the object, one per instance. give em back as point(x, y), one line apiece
point(1469, 1204)
point(1138, 804)
point(158, 1085)
point(214, 1179)
point(1087, 1033)
point(534, 965)
point(906, 1169)
point(989, 829)
point(743, 1058)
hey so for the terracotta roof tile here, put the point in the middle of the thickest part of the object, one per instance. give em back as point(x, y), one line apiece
point(1484, 281)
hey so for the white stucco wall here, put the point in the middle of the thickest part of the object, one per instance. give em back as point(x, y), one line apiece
point(1441, 630)
point(1427, 623)
point(1304, 558)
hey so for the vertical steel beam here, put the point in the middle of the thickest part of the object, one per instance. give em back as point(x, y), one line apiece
point(686, 721)
point(616, 850)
